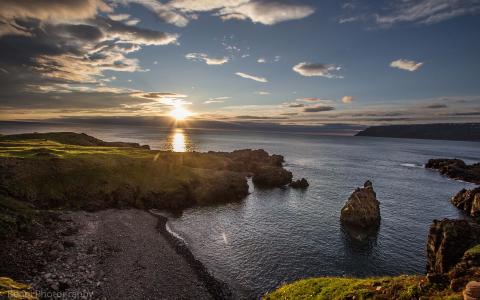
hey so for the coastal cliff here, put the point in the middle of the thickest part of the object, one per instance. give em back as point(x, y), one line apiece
point(60, 234)
point(455, 132)
point(91, 174)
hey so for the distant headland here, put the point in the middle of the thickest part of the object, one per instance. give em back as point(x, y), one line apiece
point(447, 131)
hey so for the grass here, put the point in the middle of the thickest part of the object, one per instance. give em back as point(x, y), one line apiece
point(50, 174)
point(329, 288)
point(10, 289)
point(37, 148)
point(15, 216)
point(475, 250)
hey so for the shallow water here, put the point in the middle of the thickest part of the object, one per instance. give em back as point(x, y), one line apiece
point(280, 235)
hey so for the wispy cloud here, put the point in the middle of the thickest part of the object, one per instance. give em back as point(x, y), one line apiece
point(262, 93)
point(216, 100)
point(317, 69)
point(410, 11)
point(205, 58)
point(405, 64)
point(252, 77)
point(318, 108)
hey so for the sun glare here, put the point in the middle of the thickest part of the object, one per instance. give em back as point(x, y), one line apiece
point(179, 113)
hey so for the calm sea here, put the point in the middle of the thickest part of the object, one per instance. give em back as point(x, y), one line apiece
point(280, 235)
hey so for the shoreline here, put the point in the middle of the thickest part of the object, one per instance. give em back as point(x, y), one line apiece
point(217, 288)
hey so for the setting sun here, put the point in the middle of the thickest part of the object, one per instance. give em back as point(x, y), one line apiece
point(179, 113)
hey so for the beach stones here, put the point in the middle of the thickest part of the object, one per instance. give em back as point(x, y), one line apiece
point(472, 291)
point(362, 209)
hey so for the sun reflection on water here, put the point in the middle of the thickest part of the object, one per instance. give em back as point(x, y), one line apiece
point(178, 141)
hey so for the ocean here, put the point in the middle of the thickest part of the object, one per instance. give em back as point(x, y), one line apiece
point(279, 235)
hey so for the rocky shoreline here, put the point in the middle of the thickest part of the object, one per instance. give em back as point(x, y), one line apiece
point(218, 289)
point(110, 254)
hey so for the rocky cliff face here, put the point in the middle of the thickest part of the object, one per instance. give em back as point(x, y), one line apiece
point(456, 169)
point(362, 208)
point(447, 242)
point(468, 201)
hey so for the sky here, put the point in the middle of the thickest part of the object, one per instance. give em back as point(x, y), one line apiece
point(286, 62)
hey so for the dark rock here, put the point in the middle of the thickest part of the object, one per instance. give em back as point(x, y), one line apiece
point(472, 291)
point(362, 209)
point(447, 242)
point(456, 169)
point(299, 184)
point(468, 201)
point(272, 177)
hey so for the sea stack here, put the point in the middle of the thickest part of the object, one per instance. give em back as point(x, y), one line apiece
point(362, 209)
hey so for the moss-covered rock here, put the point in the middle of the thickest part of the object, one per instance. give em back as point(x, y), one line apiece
point(10, 289)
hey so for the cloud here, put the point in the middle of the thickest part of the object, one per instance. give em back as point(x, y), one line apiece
point(436, 106)
point(205, 58)
point(261, 60)
point(347, 99)
point(411, 11)
point(260, 118)
point(318, 108)
point(404, 64)
point(428, 11)
point(315, 69)
point(216, 100)
point(267, 12)
point(62, 48)
point(295, 105)
point(52, 10)
point(312, 99)
point(262, 93)
point(252, 77)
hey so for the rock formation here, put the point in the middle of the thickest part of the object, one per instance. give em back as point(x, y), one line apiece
point(362, 208)
point(268, 176)
point(468, 201)
point(456, 169)
point(447, 242)
point(299, 184)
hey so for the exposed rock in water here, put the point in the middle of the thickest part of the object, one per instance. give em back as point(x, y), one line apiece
point(468, 201)
point(472, 291)
point(299, 184)
point(456, 169)
point(362, 208)
point(447, 242)
point(272, 177)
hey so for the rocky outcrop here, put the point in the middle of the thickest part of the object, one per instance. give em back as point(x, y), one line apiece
point(468, 201)
point(447, 242)
point(271, 176)
point(299, 184)
point(362, 209)
point(456, 169)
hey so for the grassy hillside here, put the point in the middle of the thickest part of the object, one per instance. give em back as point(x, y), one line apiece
point(329, 288)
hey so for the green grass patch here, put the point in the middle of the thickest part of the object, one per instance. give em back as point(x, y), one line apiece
point(329, 288)
point(475, 250)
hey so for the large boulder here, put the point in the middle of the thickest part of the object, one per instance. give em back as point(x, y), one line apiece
point(362, 209)
point(468, 201)
point(447, 242)
point(268, 176)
